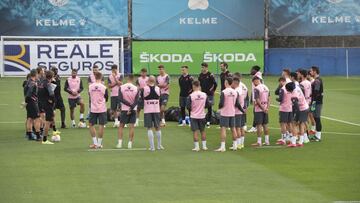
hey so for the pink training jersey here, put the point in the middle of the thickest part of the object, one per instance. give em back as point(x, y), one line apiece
point(230, 96)
point(307, 90)
point(164, 80)
point(286, 103)
point(297, 93)
point(97, 95)
point(142, 82)
point(129, 93)
point(261, 92)
point(74, 86)
point(198, 102)
point(113, 80)
point(151, 99)
point(259, 75)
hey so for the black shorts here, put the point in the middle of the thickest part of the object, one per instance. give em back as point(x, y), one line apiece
point(32, 110)
point(59, 103)
point(240, 120)
point(98, 118)
point(127, 119)
point(151, 120)
point(261, 118)
point(74, 102)
point(114, 103)
point(164, 98)
point(198, 124)
point(302, 116)
point(41, 105)
point(285, 117)
point(227, 122)
point(140, 103)
point(182, 101)
point(49, 112)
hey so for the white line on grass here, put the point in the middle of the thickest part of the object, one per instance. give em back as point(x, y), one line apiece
point(104, 150)
point(329, 118)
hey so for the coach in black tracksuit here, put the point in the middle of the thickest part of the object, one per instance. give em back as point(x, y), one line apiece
point(225, 73)
point(185, 83)
point(208, 85)
point(59, 103)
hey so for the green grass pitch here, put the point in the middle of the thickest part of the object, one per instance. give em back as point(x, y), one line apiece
point(67, 172)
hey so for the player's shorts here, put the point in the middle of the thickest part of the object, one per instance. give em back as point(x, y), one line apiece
point(98, 118)
point(302, 116)
point(285, 117)
point(32, 110)
point(240, 120)
point(197, 124)
point(49, 112)
point(317, 111)
point(114, 103)
point(59, 103)
point(227, 122)
point(182, 101)
point(127, 119)
point(164, 98)
point(140, 103)
point(41, 106)
point(211, 100)
point(261, 118)
point(151, 120)
point(74, 102)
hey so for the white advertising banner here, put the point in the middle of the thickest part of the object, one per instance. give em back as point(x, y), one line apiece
point(19, 57)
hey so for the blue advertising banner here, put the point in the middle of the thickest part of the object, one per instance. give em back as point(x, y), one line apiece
point(314, 17)
point(63, 18)
point(198, 19)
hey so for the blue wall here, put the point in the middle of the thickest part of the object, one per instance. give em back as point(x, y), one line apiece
point(332, 61)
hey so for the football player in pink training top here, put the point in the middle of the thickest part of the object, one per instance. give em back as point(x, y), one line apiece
point(74, 86)
point(240, 117)
point(114, 82)
point(151, 96)
point(306, 87)
point(141, 82)
point(98, 94)
point(229, 101)
point(128, 96)
point(196, 103)
point(163, 81)
point(261, 108)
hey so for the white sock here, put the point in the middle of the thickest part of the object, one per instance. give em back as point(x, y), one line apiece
point(95, 140)
point(222, 145)
point(318, 135)
point(283, 136)
point(293, 140)
point(151, 139)
point(301, 140)
point(73, 122)
point(203, 144)
point(234, 143)
point(184, 122)
point(242, 140)
point(196, 144)
point(81, 116)
point(207, 123)
point(137, 120)
point(116, 120)
point(119, 141)
point(163, 120)
point(306, 138)
point(99, 141)
point(158, 135)
point(267, 139)
point(238, 141)
point(259, 140)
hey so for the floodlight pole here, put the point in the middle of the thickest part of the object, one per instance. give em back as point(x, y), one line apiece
point(266, 34)
point(347, 63)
